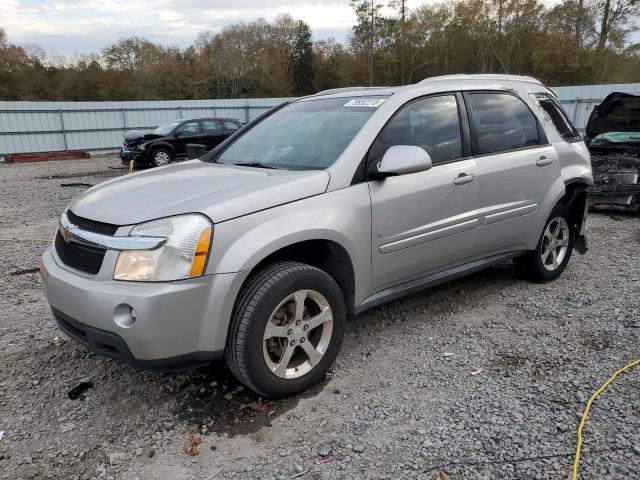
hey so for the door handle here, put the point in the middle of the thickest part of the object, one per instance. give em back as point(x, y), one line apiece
point(544, 161)
point(463, 178)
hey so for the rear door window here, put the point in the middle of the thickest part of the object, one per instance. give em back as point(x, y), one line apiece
point(432, 123)
point(210, 126)
point(501, 122)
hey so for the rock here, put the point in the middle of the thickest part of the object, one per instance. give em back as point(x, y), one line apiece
point(67, 427)
point(117, 458)
point(358, 448)
point(324, 451)
point(138, 452)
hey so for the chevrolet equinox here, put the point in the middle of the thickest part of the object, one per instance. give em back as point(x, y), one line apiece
point(319, 209)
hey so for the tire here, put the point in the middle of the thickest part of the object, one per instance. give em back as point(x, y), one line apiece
point(542, 264)
point(271, 296)
point(161, 157)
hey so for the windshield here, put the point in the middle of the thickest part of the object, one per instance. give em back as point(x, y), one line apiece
point(165, 128)
point(307, 135)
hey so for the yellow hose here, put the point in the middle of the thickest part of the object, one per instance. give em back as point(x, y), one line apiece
point(576, 461)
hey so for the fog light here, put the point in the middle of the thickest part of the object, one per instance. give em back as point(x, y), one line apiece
point(124, 315)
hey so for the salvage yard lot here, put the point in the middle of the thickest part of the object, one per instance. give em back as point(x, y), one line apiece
point(485, 377)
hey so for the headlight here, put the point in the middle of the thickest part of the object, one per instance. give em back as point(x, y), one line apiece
point(183, 255)
point(142, 146)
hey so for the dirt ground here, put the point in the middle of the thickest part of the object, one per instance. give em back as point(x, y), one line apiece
point(482, 378)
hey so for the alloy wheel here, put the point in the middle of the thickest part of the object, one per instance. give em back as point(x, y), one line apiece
point(555, 243)
point(161, 159)
point(297, 334)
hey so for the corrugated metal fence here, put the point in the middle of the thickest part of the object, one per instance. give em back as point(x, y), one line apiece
point(54, 126)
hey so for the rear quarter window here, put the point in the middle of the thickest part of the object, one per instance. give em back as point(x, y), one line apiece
point(558, 117)
point(230, 125)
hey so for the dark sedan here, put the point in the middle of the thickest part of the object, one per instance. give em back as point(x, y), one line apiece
point(168, 142)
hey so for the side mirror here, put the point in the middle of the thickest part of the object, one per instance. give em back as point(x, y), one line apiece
point(178, 133)
point(403, 160)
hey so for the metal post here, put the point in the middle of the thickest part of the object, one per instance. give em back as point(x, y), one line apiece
point(180, 111)
point(124, 119)
point(214, 111)
point(246, 113)
point(64, 132)
point(575, 110)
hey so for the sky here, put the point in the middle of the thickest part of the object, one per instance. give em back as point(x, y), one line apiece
point(85, 26)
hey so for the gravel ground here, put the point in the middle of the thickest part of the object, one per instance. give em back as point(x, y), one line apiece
point(404, 399)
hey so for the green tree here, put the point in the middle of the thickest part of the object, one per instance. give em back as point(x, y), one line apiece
point(366, 32)
point(302, 61)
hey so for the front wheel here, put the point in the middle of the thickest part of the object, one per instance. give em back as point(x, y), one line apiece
point(161, 158)
point(552, 254)
point(286, 329)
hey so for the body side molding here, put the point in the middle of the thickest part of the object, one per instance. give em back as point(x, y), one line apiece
point(431, 280)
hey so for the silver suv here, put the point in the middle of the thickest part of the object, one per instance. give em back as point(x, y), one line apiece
point(322, 208)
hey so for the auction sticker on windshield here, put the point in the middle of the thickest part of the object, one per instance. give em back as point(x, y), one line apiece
point(365, 102)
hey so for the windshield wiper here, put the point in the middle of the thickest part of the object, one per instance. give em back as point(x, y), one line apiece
point(258, 165)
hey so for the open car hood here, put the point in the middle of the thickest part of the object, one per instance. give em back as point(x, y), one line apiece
point(618, 112)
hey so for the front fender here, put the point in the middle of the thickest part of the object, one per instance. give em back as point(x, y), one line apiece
point(156, 145)
point(240, 244)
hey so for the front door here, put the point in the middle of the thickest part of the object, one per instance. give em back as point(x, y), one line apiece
point(188, 132)
point(424, 222)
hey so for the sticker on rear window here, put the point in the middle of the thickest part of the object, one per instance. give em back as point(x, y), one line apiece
point(365, 102)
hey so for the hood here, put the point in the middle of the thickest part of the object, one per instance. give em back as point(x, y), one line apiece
point(221, 192)
point(136, 135)
point(618, 112)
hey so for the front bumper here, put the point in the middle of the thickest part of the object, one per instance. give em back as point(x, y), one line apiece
point(178, 324)
point(140, 157)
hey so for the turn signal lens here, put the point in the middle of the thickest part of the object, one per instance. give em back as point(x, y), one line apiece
point(200, 257)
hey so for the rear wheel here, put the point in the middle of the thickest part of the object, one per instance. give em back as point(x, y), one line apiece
point(554, 249)
point(286, 329)
point(161, 157)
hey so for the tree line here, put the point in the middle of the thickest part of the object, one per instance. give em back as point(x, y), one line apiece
point(572, 42)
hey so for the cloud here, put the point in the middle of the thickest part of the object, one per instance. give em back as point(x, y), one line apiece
point(83, 26)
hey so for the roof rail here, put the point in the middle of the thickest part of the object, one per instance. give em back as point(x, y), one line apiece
point(482, 76)
point(348, 89)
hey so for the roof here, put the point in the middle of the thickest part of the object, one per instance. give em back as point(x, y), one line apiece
point(188, 119)
point(331, 91)
point(483, 77)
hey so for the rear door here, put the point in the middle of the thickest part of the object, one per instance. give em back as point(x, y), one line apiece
point(213, 133)
point(424, 221)
point(516, 167)
point(230, 127)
